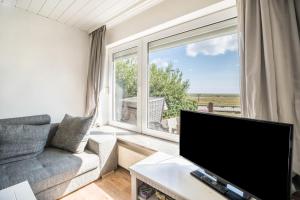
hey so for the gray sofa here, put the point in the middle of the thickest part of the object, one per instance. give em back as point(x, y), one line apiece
point(54, 172)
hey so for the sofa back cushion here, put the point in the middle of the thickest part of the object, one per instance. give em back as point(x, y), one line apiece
point(72, 134)
point(52, 132)
point(19, 141)
point(33, 120)
point(29, 120)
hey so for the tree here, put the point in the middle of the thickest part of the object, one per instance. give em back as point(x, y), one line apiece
point(168, 83)
point(164, 82)
point(126, 77)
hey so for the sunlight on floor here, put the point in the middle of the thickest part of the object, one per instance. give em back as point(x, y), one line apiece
point(115, 186)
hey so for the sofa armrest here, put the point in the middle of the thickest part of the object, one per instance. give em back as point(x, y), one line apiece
point(105, 146)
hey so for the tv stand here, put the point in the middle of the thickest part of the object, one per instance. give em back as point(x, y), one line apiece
point(218, 186)
point(171, 176)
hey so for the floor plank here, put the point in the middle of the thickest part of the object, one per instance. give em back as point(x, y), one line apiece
point(115, 186)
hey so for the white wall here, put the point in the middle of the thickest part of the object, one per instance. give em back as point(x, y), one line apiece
point(43, 66)
point(159, 14)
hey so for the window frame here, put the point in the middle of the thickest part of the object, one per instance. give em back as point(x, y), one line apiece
point(134, 44)
point(209, 23)
point(145, 63)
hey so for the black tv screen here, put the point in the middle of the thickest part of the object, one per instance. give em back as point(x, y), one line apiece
point(252, 155)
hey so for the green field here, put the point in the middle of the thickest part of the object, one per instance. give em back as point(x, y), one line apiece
point(217, 99)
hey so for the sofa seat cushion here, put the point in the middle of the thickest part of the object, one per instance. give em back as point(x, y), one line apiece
point(50, 168)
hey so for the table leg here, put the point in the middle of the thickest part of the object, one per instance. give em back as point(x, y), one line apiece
point(134, 187)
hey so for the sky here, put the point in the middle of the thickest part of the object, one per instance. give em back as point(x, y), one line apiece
point(211, 66)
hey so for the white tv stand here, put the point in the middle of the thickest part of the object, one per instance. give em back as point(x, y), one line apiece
point(170, 175)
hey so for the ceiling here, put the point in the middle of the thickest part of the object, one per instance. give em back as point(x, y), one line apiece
point(86, 15)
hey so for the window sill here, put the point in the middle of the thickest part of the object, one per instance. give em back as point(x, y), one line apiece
point(138, 139)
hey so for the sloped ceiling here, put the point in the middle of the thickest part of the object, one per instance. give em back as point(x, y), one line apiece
point(86, 15)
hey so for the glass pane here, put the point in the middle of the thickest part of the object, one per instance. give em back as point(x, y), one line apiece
point(198, 75)
point(125, 86)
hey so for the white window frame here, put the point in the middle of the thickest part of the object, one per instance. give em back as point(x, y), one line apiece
point(203, 25)
point(134, 44)
point(228, 25)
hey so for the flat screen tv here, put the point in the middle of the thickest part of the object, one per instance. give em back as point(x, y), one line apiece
point(251, 155)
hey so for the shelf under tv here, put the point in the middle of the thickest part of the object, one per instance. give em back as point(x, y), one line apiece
point(150, 198)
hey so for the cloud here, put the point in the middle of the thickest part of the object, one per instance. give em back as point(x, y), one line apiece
point(213, 47)
point(160, 62)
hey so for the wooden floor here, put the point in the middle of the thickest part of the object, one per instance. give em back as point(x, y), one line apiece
point(115, 186)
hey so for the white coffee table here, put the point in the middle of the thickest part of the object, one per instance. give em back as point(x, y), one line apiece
point(20, 191)
point(170, 175)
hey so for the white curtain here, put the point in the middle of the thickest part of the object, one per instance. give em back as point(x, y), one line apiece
point(270, 63)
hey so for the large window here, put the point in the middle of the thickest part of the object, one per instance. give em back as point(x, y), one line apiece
point(159, 75)
point(199, 74)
